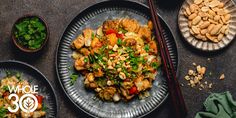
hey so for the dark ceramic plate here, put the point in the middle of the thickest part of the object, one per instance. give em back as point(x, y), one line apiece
point(35, 78)
point(85, 100)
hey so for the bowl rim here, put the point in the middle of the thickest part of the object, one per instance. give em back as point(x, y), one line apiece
point(19, 46)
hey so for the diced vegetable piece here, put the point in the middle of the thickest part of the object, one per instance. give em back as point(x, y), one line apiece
point(133, 90)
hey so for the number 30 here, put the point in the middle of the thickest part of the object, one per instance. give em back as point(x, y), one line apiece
point(15, 102)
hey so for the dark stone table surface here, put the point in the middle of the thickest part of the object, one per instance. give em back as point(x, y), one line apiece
point(58, 14)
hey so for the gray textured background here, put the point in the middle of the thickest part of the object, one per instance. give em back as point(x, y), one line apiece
point(59, 13)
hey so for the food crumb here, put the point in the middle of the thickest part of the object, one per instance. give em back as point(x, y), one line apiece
point(187, 77)
point(210, 85)
point(190, 72)
point(196, 77)
point(210, 73)
point(222, 76)
point(201, 85)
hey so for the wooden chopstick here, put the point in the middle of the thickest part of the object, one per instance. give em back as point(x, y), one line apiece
point(173, 84)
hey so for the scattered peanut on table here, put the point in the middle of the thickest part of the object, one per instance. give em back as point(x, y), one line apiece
point(195, 78)
point(208, 20)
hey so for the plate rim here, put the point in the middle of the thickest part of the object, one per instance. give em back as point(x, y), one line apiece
point(36, 70)
point(82, 11)
point(195, 47)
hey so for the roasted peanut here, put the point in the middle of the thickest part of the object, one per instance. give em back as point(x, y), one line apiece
point(193, 7)
point(213, 22)
point(227, 17)
point(214, 3)
point(216, 29)
point(188, 11)
point(205, 25)
point(195, 29)
point(192, 16)
point(220, 36)
point(197, 2)
point(223, 19)
point(223, 29)
point(196, 20)
point(185, 14)
point(199, 36)
point(205, 9)
point(189, 23)
point(204, 31)
point(216, 18)
point(221, 5)
point(210, 27)
point(191, 31)
point(212, 13)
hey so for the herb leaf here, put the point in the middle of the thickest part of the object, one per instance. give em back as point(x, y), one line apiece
point(73, 78)
point(5, 88)
point(3, 112)
point(146, 48)
point(119, 41)
point(92, 36)
point(44, 108)
point(155, 65)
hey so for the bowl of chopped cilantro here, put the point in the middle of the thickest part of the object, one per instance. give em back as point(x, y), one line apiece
point(30, 33)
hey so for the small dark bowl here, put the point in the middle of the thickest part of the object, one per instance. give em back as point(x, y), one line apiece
point(21, 47)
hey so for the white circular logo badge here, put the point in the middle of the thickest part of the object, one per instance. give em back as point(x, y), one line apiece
point(28, 103)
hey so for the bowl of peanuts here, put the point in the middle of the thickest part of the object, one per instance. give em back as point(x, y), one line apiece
point(208, 25)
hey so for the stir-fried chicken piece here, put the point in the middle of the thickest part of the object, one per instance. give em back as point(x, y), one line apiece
point(130, 25)
point(107, 93)
point(145, 32)
point(110, 24)
point(78, 42)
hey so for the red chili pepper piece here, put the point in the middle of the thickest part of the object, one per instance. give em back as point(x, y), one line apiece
point(120, 36)
point(133, 90)
point(39, 98)
point(110, 31)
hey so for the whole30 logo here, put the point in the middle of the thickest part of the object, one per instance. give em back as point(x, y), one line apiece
point(28, 102)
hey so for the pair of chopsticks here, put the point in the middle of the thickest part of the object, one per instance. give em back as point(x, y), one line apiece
point(173, 84)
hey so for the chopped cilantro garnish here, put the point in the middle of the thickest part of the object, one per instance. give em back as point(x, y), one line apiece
point(73, 78)
point(122, 30)
point(92, 36)
point(18, 75)
point(8, 73)
point(86, 60)
point(95, 66)
point(146, 48)
point(119, 41)
point(102, 48)
point(101, 82)
point(155, 65)
point(5, 88)
point(129, 49)
point(111, 52)
point(91, 58)
point(44, 108)
point(3, 112)
point(135, 67)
